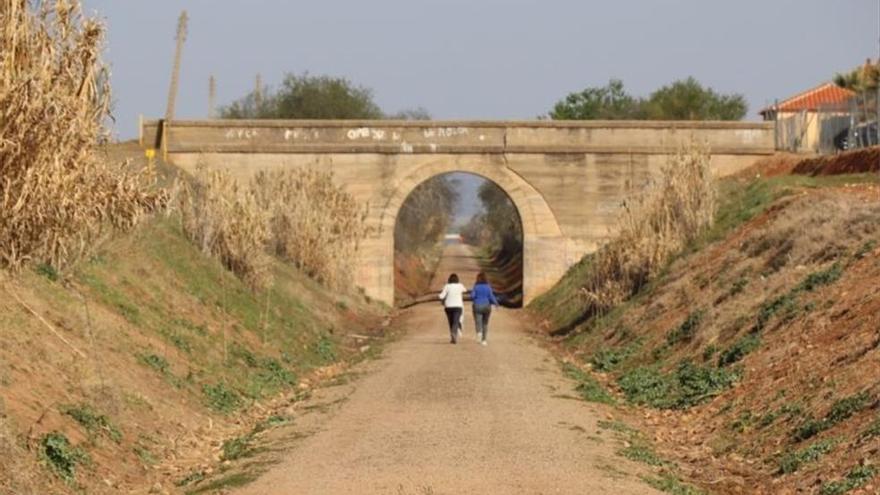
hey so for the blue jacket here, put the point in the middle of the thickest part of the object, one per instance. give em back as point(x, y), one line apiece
point(482, 294)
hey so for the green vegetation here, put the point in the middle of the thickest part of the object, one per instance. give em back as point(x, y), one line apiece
point(688, 385)
point(94, 422)
point(872, 431)
point(609, 358)
point(62, 456)
point(221, 398)
point(688, 328)
point(156, 362)
point(237, 448)
point(589, 389)
point(739, 349)
point(682, 100)
point(841, 410)
point(857, 477)
point(48, 271)
point(792, 461)
point(669, 483)
point(307, 97)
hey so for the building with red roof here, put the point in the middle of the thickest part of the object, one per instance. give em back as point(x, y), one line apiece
point(807, 118)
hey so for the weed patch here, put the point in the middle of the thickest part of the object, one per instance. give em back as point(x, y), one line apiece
point(792, 461)
point(221, 398)
point(62, 456)
point(608, 358)
point(856, 478)
point(669, 483)
point(739, 349)
point(688, 328)
point(589, 389)
point(841, 410)
point(94, 422)
point(325, 349)
point(237, 448)
point(689, 385)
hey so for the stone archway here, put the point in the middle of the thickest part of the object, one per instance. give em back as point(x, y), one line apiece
point(546, 251)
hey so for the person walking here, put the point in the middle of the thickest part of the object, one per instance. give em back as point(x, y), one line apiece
point(483, 299)
point(452, 296)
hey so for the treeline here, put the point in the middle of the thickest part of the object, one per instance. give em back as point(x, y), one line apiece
point(314, 97)
point(682, 100)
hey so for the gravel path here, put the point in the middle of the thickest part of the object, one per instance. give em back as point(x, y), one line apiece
point(436, 418)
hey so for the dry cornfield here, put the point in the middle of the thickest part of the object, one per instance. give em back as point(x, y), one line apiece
point(654, 225)
point(313, 224)
point(301, 217)
point(56, 195)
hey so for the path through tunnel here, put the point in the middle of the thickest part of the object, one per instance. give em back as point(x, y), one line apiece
point(453, 208)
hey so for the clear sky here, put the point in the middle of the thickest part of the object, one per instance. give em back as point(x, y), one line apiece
point(480, 59)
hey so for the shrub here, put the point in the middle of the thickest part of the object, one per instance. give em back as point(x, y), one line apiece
point(654, 225)
point(56, 195)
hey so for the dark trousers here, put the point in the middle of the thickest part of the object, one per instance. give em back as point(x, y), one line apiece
point(454, 317)
point(481, 318)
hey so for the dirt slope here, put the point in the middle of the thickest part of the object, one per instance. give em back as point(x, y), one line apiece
point(755, 360)
point(458, 419)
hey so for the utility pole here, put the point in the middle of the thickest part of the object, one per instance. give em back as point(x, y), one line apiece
point(175, 71)
point(212, 97)
point(258, 93)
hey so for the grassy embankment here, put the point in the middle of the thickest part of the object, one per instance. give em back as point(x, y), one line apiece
point(139, 366)
point(752, 356)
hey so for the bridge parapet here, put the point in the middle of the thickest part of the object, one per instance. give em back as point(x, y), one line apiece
point(456, 137)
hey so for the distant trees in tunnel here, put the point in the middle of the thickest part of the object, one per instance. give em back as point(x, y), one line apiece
point(498, 226)
point(426, 215)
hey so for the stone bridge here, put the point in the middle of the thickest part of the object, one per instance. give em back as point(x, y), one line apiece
point(567, 179)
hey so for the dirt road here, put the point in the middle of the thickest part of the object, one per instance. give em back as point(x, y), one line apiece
point(437, 418)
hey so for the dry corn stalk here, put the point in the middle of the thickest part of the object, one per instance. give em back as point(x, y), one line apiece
point(314, 224)
point(56, 196)
point(654, 225)
point(224, 220)
point(301, 216)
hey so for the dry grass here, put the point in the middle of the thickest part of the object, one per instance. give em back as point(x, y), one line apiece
point(314, 224)
point(56, 196)
point(225, 221)
point(300, 216)
point(652, 227)
point(19, 474)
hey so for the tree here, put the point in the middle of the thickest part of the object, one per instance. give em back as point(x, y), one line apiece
point(682, 100)
point(610, 102)
point(689, 100)
point(308, 97)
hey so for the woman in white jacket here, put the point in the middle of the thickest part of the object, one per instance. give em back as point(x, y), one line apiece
point(452, 296)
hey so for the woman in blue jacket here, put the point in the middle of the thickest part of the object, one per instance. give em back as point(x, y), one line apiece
point(483, 299)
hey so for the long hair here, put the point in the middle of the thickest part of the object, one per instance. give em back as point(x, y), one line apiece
point(453, 279)
point(481, 278)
